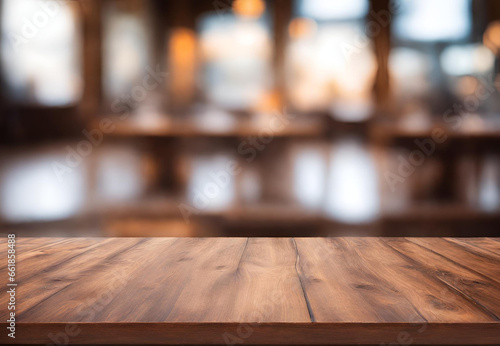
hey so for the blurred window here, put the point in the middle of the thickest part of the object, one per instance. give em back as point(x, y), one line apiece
point(330, 61)
point(430, 20)
point(436, 60)
point(329, 10)
point(309, 179)
point(211, 185)
point(120, 172)
point(409, 69)
point(41, 51)
point(467, 67)
point(236, 56)
point(31, 191)
point(468, 59)
point(489, 184)
point(126, 48)
point(352, 191)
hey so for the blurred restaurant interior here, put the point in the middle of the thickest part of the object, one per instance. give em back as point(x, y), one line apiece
point(250, 118)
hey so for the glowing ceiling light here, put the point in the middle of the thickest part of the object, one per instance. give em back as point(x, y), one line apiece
point(328, 9)
point(301, 27)
point(249, 8)
point(491, 37)
point(429, 20)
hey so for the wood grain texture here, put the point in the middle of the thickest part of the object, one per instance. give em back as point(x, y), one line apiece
point(362, 280)
point(58, 275)
point(482, 246)
point(343, 286)
point(483, 264)
point(481, 291)
point(259, 334)
point(240, 280)
point(255, 291)
point(26, 246)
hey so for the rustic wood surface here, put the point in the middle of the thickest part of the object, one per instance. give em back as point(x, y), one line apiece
point(255, 291)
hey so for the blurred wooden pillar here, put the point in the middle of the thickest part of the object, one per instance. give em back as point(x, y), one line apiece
point(282, 15)
point(160, 22)
point(491, 9)
point(381, 17)
point(181, 55)
point(92, 58)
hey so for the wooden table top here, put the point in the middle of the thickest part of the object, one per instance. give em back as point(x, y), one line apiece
point(255, 291)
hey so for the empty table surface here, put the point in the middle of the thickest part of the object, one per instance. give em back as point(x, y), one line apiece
point(254, 290)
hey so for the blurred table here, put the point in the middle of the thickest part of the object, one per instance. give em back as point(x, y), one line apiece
point(254, 291)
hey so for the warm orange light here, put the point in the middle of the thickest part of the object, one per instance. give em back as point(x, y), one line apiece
point(301, 27)
point(182, 64)
point(466, 85)
point(491, 37)
point(182, 39)
point(249, 8)
point(269, 102)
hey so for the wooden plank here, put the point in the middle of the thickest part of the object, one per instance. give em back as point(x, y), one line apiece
point(171, 269)
point(361, 279)
point(484, 265)
point(260, 334)
point(251, 291)
point(482, 291)
point(256, 283)
point(46, 255)
point(25, 246)
point(3, 252)
point(209, 280)
point(340, 287)
point(57, 277)
point(86, 296)
point(29, 244)
point(483, 246)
